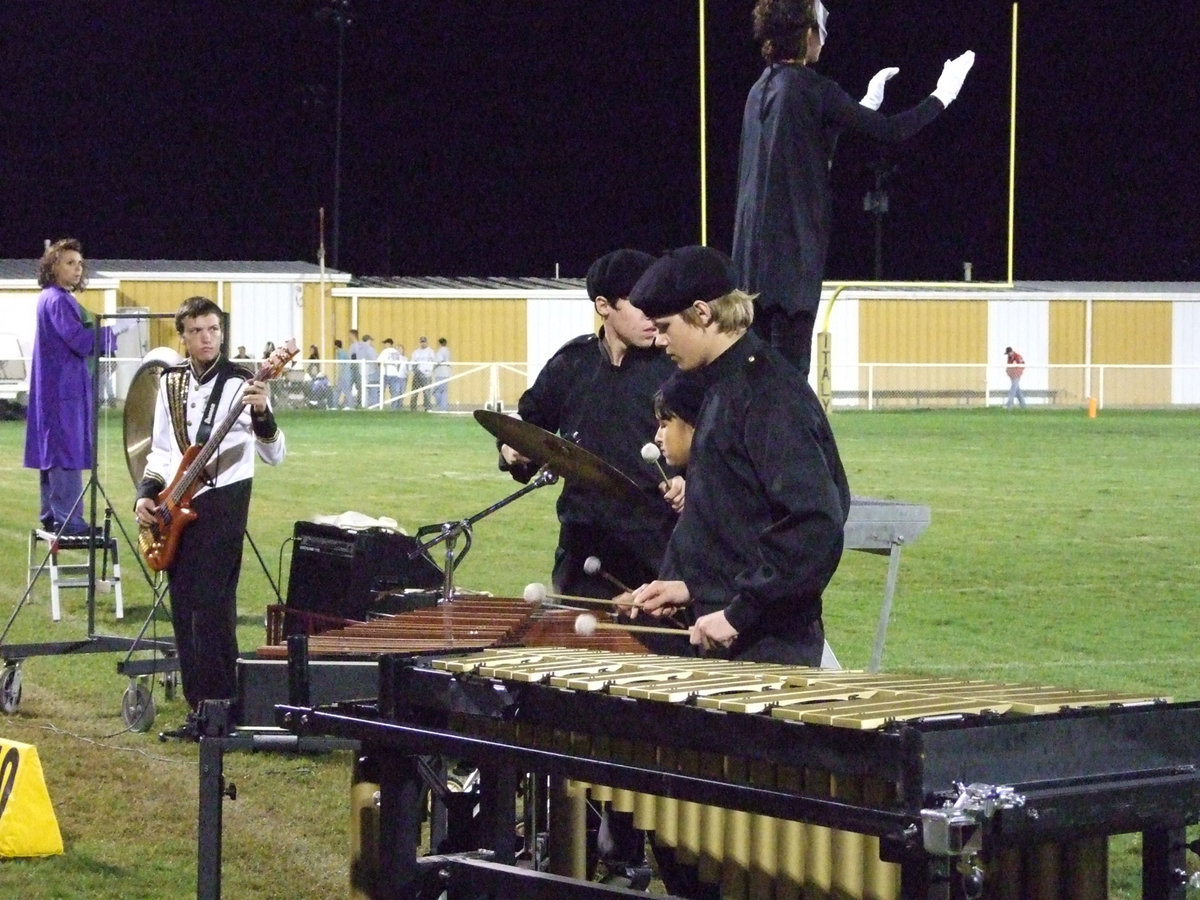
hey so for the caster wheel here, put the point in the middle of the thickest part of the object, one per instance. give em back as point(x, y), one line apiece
point(10, 689)
point(137, 707)
point(170, 684)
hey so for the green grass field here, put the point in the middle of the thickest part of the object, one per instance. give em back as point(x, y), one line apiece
point(1062, 550)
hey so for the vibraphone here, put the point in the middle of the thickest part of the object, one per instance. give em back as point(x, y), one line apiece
point(813, 783)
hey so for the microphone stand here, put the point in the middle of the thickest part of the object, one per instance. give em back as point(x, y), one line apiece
point(449, 532)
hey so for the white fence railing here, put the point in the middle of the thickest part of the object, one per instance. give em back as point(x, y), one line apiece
point(897, 385)
point(465, 386)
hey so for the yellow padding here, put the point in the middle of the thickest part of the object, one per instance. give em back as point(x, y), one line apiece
point(27, 823)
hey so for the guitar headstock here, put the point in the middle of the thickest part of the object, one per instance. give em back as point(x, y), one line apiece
point(278, 360)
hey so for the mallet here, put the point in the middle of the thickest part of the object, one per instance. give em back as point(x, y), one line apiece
point(537, 593)
point(592, 566)
point(587, 624)
point(651, 454)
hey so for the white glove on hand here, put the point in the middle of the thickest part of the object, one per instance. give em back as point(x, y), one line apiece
point(120, 326)
point(873, 98)
point(954, 73)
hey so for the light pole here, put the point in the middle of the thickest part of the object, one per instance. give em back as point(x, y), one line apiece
point(339, 12)
point(877, 203)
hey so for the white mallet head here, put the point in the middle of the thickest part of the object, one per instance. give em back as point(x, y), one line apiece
point(535, 593)
point(591, 565)
point(651, 453)
point(585, 624)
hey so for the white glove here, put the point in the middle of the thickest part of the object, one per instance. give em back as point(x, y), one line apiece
point(954, 73)
point(873, 98)
point(120, 326)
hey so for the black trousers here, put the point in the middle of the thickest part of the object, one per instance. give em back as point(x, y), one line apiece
point(790, 334)
point(203, 582)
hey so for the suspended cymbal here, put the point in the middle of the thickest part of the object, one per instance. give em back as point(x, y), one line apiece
point(567, 460)
point(139, 408)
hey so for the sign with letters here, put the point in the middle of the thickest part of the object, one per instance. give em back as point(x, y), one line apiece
point(28, 826)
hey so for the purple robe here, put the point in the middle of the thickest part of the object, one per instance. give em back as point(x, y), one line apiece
point(58, 429)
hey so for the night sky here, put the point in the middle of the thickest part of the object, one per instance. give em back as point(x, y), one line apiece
point(505, 137)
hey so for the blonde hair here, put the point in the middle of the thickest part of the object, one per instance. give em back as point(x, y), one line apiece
point(731, 313)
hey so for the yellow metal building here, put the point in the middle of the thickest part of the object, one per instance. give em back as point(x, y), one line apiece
point(1125, 344)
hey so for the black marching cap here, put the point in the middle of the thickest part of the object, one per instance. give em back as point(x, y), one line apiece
point(682, 277)
point(614, 274)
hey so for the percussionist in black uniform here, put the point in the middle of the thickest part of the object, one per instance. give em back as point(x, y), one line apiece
point(598, 390)
point(761, 532)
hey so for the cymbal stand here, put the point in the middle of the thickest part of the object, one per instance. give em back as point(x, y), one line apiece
point(449, 532)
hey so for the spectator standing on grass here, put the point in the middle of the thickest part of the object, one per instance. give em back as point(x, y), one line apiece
point(1015, 369)
point(370, 372)
point(441, 375)
point(320, 394)
point(394, 367)
point(345, 376)
point(355, 348)
point(422, 373)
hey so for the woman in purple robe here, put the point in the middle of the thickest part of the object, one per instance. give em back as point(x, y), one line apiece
point(60, 420)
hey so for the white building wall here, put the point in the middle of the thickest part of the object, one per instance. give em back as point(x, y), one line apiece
point(550, 323)
point(261, 312)
point(1023, 325)
point(843, 330)
point(1185, 351)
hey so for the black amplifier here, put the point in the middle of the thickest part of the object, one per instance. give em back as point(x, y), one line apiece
point(337, 572)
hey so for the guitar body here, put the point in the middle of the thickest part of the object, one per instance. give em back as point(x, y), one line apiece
point(159, 542)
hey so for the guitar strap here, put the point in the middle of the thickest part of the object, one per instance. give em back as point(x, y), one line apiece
point(210, 409)
point(177, 381)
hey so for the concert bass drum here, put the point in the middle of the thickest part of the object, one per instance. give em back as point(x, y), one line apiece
point(139, 408)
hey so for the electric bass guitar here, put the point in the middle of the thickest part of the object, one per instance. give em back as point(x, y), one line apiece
point(159, 541)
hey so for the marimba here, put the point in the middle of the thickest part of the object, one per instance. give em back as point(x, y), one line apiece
point(467, 623)
point(784, 781)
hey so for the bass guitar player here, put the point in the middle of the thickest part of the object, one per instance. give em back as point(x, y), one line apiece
point(211, 419)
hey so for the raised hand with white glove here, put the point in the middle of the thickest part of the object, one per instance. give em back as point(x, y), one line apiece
point(954, 73)
point(873, 98)
point(120, 326)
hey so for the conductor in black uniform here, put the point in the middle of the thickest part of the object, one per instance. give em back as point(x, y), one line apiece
point(790, 127)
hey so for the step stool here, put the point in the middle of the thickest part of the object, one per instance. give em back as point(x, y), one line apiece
point(75, 575)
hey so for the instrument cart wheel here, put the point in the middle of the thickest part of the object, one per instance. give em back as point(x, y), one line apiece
point(170, 682)
point(10, 688)
point(137, 706)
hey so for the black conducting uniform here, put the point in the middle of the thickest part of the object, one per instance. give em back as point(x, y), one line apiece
point(790, 126)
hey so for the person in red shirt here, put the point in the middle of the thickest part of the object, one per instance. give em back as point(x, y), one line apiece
point(1015, 369)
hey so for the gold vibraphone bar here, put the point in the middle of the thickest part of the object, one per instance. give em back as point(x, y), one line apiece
point(757, 856)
